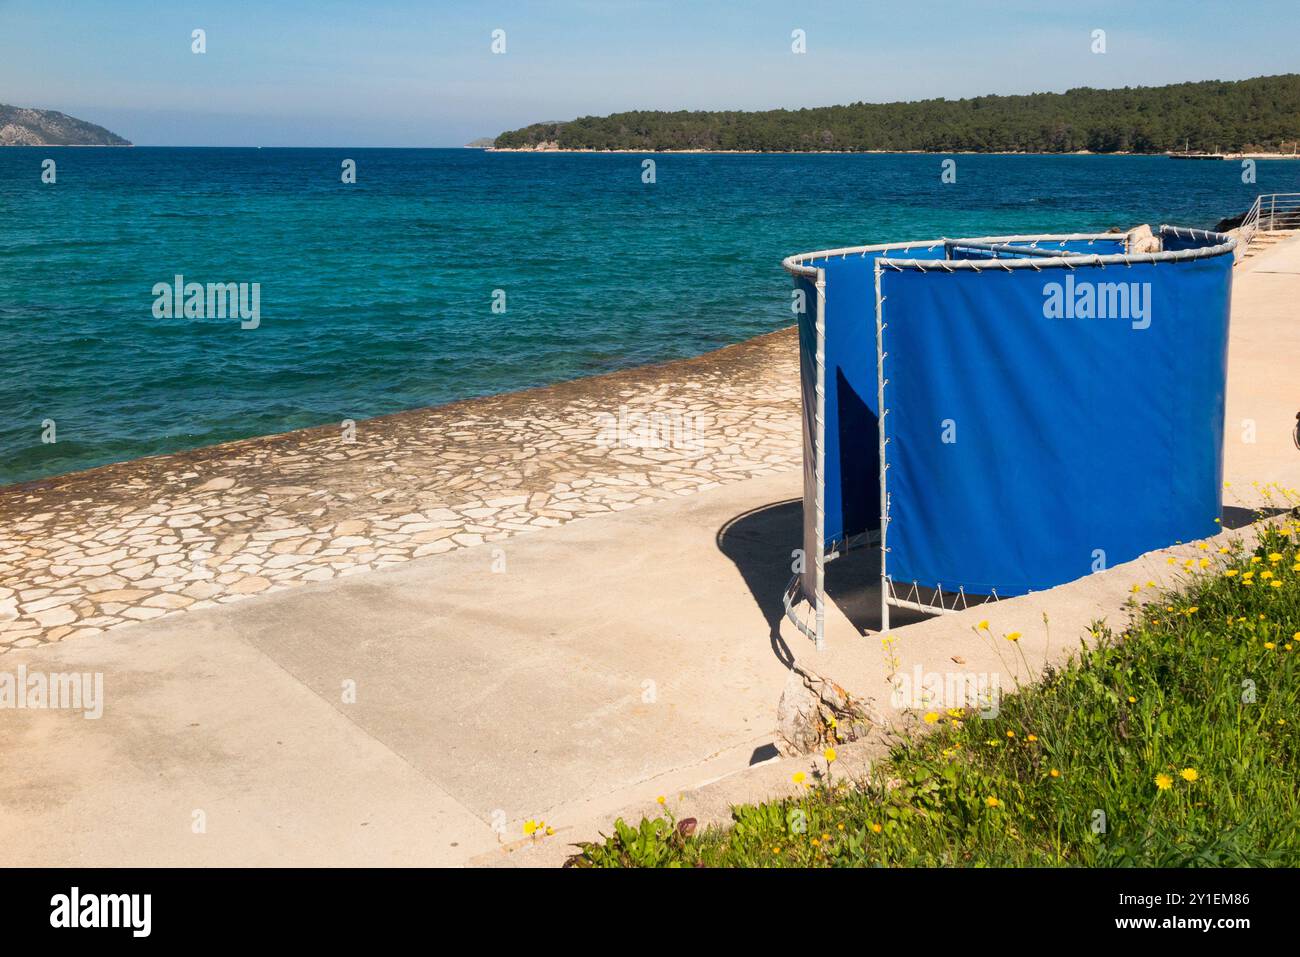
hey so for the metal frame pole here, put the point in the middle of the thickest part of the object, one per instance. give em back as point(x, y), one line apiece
point(819, 599)
point(882, 412)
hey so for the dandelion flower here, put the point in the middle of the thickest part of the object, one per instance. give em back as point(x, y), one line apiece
point(798, 777)
point(931, 717)
point(1164, 782)
point(1011, 734)
point(1274, 557)
point(876, 828)
point(530, 826)
point(1189, 774)
point(1013, 636)
point(1054, 773)
point(661, 799)
point(1132, 700)
point(830, 755)
point(1269, 645)
point(983, 625)
point(1230, 573)
point(991, 801)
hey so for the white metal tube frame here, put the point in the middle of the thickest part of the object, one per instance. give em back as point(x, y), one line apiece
point(1032, 255)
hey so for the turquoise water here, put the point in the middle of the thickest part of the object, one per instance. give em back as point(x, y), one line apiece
point(378, 296)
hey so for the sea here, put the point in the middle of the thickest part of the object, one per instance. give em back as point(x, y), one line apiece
point(444, 274)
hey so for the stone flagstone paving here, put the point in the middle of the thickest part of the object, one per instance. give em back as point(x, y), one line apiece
point(129, 542)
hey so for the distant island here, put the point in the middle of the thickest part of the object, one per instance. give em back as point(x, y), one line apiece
point(25, 127)
point(1259, 115)
point(482, 143)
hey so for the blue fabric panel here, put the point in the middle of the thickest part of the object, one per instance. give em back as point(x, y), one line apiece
point(1171, 240)
point(852, 440)
point(1092, 247)
point(1078, 440)
point(1099, 247)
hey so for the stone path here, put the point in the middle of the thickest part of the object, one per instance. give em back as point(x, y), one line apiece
point(138, 540)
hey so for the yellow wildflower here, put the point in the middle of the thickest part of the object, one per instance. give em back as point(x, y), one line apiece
point(1164, 782)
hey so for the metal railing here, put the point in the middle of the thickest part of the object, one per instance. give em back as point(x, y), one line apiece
point(1271, 212)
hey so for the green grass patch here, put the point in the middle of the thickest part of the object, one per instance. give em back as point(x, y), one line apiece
point(1172, 743)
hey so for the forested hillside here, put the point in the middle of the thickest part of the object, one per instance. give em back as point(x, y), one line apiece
point(1260, 114)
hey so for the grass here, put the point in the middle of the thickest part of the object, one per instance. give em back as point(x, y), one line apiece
point(1172, 743)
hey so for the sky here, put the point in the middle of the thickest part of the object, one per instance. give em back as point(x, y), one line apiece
point(401, 73)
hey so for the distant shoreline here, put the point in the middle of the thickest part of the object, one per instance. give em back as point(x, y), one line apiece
point(88, 146)
point(556, 149)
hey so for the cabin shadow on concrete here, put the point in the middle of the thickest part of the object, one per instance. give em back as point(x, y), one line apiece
point(760, 543)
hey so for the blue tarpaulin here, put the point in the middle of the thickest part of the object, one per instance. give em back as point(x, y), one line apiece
point(1044, 419)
